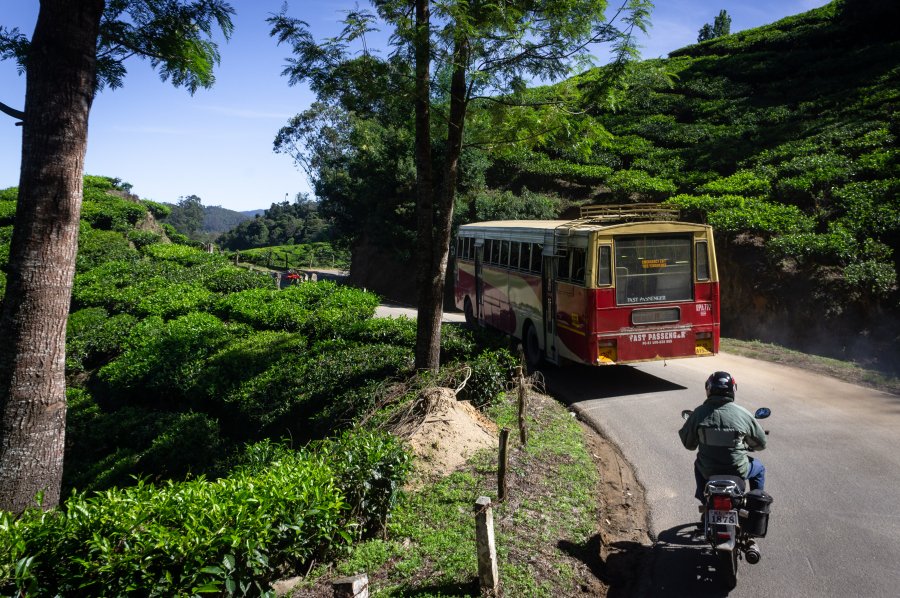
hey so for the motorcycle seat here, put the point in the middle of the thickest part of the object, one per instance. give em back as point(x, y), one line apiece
point(741, 482)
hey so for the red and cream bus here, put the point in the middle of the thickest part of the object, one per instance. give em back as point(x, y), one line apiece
point(621, 284)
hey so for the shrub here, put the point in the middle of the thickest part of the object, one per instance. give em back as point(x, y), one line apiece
point(229, 536)
point(161, 359)
point(92, 336)
point(142, 238)
point(180, 254)
point(505, 205)
point(109, 212)
point(9, 194)
point(491, 370)
point(96, 246)
point(370, 468)
point(877, 279)
point(7, 212)
point(835, 247)
point(760, 217)
point(743, 182)
point(231, 279)
point(320, 309)
point(625, 183)
point(158, 210)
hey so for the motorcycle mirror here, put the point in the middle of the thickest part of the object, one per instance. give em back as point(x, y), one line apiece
point(762, 413)
point(686, 413)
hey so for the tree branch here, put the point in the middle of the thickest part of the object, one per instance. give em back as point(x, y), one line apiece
point(13, 113)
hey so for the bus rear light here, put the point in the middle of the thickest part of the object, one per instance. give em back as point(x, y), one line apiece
point(704, 335)
point(607, 352)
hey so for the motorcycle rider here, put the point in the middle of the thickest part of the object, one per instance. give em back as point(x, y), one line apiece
point(724, 431)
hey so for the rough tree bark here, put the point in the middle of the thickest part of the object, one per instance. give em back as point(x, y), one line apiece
point(434, 258)
point(60, 84)
point(426, 359)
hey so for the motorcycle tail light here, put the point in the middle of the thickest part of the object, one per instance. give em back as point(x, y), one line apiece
point(721, 503)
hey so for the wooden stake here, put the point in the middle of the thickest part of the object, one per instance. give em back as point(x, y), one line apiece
point(523, 394)
point(488, 572)
point(501, 468)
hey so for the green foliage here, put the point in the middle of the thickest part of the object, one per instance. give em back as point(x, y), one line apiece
point(626, 183)
point(282, 224)
point(160, 211)
point(7, 212)
point(491, 370)
point(96, 246)
point(318, 309)
point(161, 359)
point(229, 536)
point(142, 238)
point(369, 468)
point(506, 205)
point(229, 279)
point(743, 182)
point(9, 194)
point(733, 214)
point(877, 279)
point(304, 255)
point(109, 212)
point(92, 336)
point(181, 254)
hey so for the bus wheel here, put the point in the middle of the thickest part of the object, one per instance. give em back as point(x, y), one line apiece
point(470, 315)
point(532, 347)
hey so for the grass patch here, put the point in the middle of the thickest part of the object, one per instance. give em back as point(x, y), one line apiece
point(842, 370)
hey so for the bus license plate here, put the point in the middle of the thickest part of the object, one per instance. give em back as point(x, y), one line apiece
point(723, 517)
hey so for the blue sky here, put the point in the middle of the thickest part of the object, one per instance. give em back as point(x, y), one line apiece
point(217, 144)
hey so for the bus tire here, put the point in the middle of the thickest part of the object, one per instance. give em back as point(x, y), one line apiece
point(532, 346)
point(470, 315)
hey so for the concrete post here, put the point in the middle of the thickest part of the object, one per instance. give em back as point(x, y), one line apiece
point(488, 573)
point(356, 586)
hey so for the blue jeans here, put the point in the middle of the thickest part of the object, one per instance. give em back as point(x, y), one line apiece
point(756, 477)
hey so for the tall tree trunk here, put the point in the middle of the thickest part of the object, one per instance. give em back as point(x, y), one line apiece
point(427, 356)
point(431, 297)
point(61, 75)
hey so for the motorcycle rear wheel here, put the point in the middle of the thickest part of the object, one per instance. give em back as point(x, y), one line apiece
point(727, 567)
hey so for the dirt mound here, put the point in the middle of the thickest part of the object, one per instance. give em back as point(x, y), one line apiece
point(447, 432)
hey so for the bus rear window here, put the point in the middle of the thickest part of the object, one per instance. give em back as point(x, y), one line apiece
point(653, 268)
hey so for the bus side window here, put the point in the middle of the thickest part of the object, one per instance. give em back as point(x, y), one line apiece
point(702, 260)
point(504, 254)
point(578, 259)
point(562, 269)
point(537, 257)
point(604, 271)
point(525, 257)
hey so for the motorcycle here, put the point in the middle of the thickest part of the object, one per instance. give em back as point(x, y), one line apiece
point(733, 518)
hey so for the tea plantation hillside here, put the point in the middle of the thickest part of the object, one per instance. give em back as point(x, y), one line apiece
point(784, 138)
point(212, 439)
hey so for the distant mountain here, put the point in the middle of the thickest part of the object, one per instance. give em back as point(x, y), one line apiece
point(217, 219)
point(253, 213)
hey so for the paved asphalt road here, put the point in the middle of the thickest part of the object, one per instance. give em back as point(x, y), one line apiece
point(833, 470)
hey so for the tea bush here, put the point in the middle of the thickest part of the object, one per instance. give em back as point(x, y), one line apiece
point(161, 359)
point(505, 205)
point(159, 211)
point(491, 370)
point(159, 297)
point(92, 336)
point(229, 279)
point(7, 212)
point(229, 537)
point(181, 254)
point(109, 212)
point(624, 183)
point(743, 182)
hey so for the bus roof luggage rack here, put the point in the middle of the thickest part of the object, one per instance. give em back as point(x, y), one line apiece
point(629, 212)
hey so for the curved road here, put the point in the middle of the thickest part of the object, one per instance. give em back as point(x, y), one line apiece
point(833, 470)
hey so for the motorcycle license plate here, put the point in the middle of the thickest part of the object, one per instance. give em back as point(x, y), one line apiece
point(723, 517)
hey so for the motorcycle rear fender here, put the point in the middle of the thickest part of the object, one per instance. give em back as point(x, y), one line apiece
point(728, 544)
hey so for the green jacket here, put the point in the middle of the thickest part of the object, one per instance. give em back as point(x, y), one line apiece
point(723, 431)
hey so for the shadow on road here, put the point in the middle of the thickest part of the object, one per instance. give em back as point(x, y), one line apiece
point(574, 383)
point(681, 565)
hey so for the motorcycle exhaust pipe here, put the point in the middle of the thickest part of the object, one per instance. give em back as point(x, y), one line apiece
point(752, 553)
